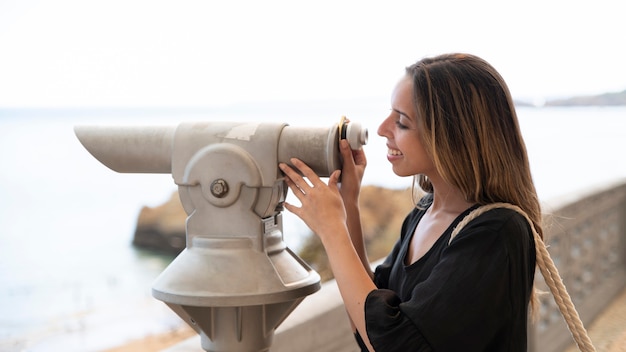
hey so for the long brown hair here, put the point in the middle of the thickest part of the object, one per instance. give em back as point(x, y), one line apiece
point(468, 124)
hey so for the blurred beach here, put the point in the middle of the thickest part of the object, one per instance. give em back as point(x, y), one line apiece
point(70, 280)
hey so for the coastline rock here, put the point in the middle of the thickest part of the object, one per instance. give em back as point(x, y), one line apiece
point(162, 228)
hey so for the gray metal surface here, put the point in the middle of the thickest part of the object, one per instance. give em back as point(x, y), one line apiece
point(236, 280)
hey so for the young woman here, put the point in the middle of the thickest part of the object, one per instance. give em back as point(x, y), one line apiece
point(453, 127)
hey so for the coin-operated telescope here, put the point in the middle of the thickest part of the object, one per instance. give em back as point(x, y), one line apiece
point(236, 280)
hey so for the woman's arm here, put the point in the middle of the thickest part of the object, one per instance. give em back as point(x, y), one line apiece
point(324, 212)
point(354, 163)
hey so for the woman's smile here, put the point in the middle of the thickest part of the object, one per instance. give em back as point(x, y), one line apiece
point(393, 154)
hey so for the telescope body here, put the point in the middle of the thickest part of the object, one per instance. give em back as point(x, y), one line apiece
point(236, 280)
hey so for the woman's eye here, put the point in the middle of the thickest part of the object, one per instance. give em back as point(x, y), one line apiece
point(401, 125)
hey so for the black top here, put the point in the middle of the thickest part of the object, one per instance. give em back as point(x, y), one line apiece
point(470, 295)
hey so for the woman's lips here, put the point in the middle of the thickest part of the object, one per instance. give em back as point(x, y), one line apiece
point(393, 154)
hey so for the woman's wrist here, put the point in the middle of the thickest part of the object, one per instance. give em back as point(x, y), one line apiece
point(352, 207)
point(336, 235)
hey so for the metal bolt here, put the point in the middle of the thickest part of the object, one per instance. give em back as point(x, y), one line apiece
point(219, 188)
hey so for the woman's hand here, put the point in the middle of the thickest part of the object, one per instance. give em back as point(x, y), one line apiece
point(322, 207)
point(354, 163)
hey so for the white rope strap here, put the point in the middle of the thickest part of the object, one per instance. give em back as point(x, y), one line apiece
point(549, 272)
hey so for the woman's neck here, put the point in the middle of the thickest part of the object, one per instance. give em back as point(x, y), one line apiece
point(447, 198)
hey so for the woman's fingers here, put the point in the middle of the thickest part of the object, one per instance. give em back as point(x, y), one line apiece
point(307, 172)
point(299, 184)
point(346, 150)
point(321, 205)
point(334, 179)
point(296, 183)
point(297, 191)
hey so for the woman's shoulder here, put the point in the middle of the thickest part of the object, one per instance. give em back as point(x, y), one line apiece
point(498, 217)
point(501, 221)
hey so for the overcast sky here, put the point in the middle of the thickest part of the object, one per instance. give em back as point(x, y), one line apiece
point(69, 53)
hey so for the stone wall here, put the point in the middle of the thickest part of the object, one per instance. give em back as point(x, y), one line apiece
point(586, 235)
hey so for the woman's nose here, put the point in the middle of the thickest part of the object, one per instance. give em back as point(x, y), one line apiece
point(383, 129)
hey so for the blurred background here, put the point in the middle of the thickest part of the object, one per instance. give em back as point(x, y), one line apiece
point(70, 279)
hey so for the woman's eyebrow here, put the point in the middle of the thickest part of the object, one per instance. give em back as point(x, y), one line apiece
point(402, 113)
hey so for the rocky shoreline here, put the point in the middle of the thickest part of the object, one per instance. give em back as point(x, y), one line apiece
point(162, 228)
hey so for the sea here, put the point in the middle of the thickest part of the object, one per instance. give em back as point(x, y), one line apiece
point(70, 279)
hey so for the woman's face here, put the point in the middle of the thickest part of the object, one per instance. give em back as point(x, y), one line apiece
point(405, 150)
